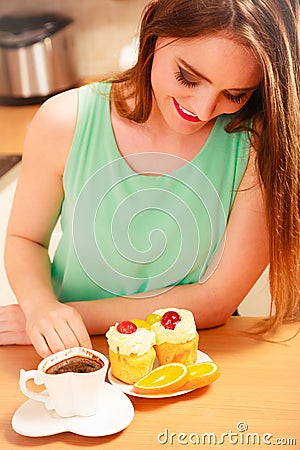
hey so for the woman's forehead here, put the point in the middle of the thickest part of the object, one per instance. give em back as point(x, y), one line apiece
point(213, 56)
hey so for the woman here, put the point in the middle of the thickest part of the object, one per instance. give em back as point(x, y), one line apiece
point(201, 136)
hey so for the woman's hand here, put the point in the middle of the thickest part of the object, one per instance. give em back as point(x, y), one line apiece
point(56, 326)
point(13, 326)
point(50, 328)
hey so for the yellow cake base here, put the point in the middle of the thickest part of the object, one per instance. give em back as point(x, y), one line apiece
point(130, 369)
point(184, 353)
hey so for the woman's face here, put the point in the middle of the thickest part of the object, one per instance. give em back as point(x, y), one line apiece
point(196, 80)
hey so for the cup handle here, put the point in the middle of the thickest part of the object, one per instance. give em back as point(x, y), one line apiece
point(40, 397)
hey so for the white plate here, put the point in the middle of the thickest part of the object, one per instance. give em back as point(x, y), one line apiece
point(128, 388)
point(115, 414)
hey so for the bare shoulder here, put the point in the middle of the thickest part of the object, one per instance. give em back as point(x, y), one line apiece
point(51, 131)
point(61, 109)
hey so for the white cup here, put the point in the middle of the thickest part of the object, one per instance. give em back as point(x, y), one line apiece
point(70, 393)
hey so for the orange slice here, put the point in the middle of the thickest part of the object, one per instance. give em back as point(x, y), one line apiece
point(162, 380)
point(201, 374)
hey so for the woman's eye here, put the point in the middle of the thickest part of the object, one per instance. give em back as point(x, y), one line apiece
point(182, 80)
point(235, 98)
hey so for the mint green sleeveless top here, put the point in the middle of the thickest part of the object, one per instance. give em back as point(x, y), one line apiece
point(125, 232)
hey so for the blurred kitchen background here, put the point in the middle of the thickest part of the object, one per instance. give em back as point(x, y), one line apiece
point(103, 40)
point(101, 28)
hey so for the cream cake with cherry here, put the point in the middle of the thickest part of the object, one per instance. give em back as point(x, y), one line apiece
point(131, 350)
point(175, 334)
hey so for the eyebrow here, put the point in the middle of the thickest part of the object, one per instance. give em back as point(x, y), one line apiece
point(200, 75)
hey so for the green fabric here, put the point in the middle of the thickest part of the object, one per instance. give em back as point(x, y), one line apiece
point(124, 232)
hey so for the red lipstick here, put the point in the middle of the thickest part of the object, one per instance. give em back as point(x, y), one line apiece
point(183, 114)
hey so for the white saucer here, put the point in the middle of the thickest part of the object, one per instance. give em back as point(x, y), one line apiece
point(128, 388)
point(116, 413)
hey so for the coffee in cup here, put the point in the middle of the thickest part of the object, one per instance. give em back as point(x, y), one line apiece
point(74, 380)
point(77, 364)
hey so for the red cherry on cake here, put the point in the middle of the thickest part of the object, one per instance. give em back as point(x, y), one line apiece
point(170, 319)
point(126, 327)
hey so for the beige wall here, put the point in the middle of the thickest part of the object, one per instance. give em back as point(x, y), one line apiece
point(102, 27)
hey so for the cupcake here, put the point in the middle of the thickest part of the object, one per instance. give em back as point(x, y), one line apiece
point(176, 336)
point(131, 350)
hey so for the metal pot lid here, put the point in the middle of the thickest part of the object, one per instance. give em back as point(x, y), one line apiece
point(23, 29)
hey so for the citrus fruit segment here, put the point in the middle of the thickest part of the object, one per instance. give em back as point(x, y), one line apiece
point(141, 323)
point(153, 318)
point(201, 374)
point(162, 380)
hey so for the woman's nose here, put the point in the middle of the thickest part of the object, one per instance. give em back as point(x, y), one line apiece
point(205, 105)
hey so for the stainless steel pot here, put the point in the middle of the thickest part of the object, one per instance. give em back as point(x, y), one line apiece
point(36, 57)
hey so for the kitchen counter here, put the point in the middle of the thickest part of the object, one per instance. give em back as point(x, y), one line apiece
point(254, 404)
point(14, 121)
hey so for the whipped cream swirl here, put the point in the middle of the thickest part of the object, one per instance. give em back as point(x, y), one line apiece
point(184, 331)
point(136, 343)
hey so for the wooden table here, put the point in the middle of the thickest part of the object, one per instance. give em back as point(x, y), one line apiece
point(259, 389)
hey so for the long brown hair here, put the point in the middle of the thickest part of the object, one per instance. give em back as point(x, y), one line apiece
point(270, 29)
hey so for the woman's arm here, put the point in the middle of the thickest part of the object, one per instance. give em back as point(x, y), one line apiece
point(244, 258)
point(50, 325)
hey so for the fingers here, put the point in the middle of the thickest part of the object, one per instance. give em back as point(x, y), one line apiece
point(59, 331)
point(50, 331)
point(77, 326)
point(40, 344)
point(47, 342)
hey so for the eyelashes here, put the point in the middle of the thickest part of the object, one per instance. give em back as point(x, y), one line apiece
point(182, 80)
point(235, 98)
point(192, 84)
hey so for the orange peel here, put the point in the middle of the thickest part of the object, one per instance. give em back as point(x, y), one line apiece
point(201, 374)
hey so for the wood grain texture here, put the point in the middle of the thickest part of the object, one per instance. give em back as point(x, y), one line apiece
point(259, 386)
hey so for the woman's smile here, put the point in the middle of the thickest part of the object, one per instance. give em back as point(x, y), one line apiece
point(185, 113)
point(196, 80)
